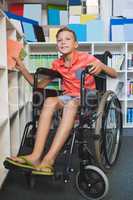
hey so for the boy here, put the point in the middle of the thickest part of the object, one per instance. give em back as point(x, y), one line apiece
point(68, 65)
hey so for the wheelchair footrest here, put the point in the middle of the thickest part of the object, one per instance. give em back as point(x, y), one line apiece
point(12, 167)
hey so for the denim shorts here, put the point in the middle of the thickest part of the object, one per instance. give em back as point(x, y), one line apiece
point(66, 98)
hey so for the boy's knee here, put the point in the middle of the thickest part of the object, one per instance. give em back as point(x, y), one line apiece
point(51, 102)
point(72, 104)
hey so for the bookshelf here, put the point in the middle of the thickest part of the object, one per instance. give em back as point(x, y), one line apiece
point(13, 99)
point(122, 53)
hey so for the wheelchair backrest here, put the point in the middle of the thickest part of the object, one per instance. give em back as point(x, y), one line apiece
point(101, 80)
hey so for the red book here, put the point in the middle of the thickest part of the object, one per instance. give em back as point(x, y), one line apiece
point(17, 9)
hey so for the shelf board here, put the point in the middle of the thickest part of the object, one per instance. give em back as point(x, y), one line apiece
point(13, 111)
point(43, 2)
point(130, 99)
point(129, 125)
point(3, 121)
point(121, 71)
point(130, 71)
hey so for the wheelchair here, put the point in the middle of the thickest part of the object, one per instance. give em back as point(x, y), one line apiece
point(96, 135)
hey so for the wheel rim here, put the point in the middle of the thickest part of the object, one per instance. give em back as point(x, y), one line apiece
point(92, 183)
point(112, 131)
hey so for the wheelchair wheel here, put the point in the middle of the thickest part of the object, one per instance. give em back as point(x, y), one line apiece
point(92, 183)
point(109, 128)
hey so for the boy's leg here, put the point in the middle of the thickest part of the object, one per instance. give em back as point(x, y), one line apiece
point(51, 104)
point(63, 131)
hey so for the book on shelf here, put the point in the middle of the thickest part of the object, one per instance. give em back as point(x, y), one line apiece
point(75, 10)
point(74, 2)
point(44, 60)
point(33, 11)
point(130, 61)
point(129, 115)
point(80, 30)
point(95, 30)
point(130, 88)
point(52, 34)
point(117, 61)
point(120, 89)
point(86, 18)
point(56, 11)
point(38, 30)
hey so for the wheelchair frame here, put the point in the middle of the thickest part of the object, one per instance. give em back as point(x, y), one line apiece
point(95, 162)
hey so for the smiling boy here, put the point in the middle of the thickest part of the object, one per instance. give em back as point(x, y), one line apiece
point(68, 65)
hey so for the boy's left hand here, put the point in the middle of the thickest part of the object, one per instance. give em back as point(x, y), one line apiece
point(97, 67)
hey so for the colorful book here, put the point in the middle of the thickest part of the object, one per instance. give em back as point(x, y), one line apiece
point(16, 8)
point(95, 30)
point(52, 34)
point(53, 20)
point(29, 32)
point(74, 2)
point(33, 11)
point(80, 30)
point(38, 30)
point(75, 10)
point(86, 18)
point(13, 50)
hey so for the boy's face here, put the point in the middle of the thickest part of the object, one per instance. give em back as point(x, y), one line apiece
point(66, 43)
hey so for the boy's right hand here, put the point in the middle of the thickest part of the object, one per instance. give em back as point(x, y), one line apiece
point(19, 63)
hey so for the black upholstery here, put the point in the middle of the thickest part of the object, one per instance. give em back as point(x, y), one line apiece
point(101, 79)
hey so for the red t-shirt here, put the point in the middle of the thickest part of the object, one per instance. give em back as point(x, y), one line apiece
point(71, 75)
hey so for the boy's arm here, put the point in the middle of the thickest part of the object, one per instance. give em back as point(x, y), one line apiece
point(29, 77)
point(98, 67)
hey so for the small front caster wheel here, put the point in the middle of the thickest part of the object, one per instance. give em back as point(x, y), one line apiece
point(92, 183)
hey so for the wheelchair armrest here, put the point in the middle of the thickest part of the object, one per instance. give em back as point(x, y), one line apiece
point(49, 72)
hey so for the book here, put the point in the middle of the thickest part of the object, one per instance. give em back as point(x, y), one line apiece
point(29, 32)
point(95, 30)
point(74, 2)
point(38, 30)
point(22, 54)
point(80, 30)
point(33, 11)
point(74, 19)
point(16, 8)
point(86, 18)
point(75, 10)
point(53, 20)
point(13, 50)
point(52, 34)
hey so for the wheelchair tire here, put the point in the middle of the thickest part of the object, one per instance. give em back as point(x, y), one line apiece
point(92, 183)
point(108, 145)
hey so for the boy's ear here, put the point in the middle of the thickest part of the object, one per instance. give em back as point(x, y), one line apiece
point(76, 44)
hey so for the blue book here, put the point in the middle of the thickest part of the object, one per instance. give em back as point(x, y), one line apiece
point(53, 16)
point(95, 30)
point(128, 32)
point(74, 2)
point(20, 18)
point(29, 32)
point(80, 30)
point(33, 11)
